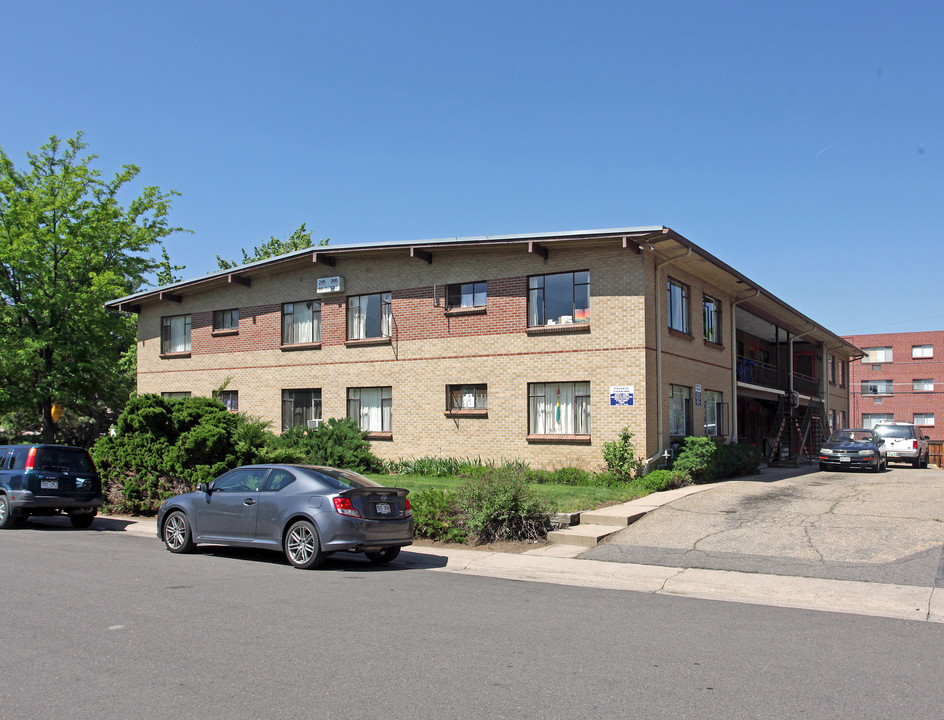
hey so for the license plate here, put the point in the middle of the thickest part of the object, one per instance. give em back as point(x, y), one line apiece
point(382, 508)
point(845, 459)
point(49, 484)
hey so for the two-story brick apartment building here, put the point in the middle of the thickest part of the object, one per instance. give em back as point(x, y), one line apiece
point(901, 377)
point(535, 347)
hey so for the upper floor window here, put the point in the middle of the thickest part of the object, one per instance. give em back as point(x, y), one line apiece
point(300, 406)
point(467, 397)
point(301, 322)
point(831, 368)
point(842, 373)
point(678, 310)
point(369, 316)
point(559, 408)
point(712, 312)
point(877, 387)
point(226, 319)
point(926, 385)
point(371, 408)
point(175, 334)
point(559, 299)
point(925, 419)
point(877, 355)
point(466, 295)
point(922, 351)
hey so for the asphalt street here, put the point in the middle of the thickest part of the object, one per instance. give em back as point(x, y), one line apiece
point(871, 527)
point(106, 625)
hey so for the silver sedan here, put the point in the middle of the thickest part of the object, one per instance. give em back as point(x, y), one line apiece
point(308, 512)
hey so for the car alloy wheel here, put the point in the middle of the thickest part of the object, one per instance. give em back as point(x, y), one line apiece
point(6, 515)
point(177, 535)
point(302, 546)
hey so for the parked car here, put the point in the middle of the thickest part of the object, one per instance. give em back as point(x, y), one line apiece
point(854, 447)
point(307, 512)
point(48, 480)
point(905, 442)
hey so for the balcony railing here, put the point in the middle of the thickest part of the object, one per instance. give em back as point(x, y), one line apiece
point(755, 372)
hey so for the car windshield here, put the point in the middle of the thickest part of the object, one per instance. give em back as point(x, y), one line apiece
point(858, 436)
point(342, 479)
point(895, 431)
point(62, 459)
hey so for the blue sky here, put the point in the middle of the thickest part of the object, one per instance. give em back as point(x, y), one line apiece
point(801, 143)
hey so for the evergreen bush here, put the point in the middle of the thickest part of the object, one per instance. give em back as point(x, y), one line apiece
point(501, 506)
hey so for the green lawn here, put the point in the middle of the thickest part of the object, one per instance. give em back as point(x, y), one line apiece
point(561, 498)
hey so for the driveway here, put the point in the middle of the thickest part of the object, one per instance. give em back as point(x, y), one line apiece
point(882, 528)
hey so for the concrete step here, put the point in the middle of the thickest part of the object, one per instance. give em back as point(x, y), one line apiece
point(616, 515)
point(582, 535)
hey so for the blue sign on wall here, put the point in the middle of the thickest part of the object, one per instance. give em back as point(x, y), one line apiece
point(621, 395)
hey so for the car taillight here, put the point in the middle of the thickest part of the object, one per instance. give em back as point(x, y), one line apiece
point(407, 509)
point(915, 444)
point(30, 459)
point(344, 506)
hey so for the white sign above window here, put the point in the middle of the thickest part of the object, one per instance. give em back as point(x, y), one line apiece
point(332, 284)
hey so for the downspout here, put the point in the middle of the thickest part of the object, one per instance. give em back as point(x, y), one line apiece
point(734, 359)
point(659, 393)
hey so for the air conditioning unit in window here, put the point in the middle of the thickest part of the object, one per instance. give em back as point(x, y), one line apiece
point(332, 284)
point(314, 424)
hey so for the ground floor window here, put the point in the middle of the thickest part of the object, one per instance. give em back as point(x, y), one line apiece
point(230, 398)
point(467, 397)
point(559, 408)
point(871, 419)
point(680, 410)
point(714, 413)
point(300, 406)
point(176, 395)
point(371, 408)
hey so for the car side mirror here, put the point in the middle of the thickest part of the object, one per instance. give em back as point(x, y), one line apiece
point(203, 487)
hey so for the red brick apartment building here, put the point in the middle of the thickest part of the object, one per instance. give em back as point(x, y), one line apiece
point(533, 347)
point(900, 377)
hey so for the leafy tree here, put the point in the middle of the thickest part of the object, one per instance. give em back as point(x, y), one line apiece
point(67, 245)
point(298, 240)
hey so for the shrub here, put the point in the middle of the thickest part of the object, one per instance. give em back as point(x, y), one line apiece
point(660, 480)
point(706, 460)
point(436, 517)
point(620, 456)
point(336, 443)
point(501, 506)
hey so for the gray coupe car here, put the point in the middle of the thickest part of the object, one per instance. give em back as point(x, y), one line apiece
point(306, 511)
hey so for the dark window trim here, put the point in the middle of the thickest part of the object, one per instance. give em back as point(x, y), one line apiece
point(558, 329)
point(300, 346)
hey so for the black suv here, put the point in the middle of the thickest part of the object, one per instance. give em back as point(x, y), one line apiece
point(48, 480)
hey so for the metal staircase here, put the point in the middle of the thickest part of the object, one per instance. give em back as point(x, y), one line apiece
point(798, 437)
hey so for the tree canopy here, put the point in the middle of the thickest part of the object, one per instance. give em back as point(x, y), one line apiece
point(298, 240)
point(67, 245)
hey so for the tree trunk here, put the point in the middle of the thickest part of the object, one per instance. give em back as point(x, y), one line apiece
point(49, 425)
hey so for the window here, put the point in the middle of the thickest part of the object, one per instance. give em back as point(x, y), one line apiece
point(176, 395)
point(368, 316)
point(831, 368)
point(678, 306)
point(712, 312)
point(922, 385)
point(877, 355)
point(301, 322)
point(226, 319)
point(241, 480)
point(230, 398)
point(277, 480)
point(466, 397)
point(870, 420)
point(922, 351)
point(714, 413)
point(877, 387)
point(842, 373)
point(559, 408)
point(466, 295)
point(560, 299)
point(926, 419)
point(371, 408)
point(300, 406)
point(175, 334)
point(680, 410)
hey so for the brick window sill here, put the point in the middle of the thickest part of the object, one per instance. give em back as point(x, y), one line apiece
point(559, 329)
point(367, 342)
point(380, 436)
point(560, 439)
point(680, 334)
point(713, 344)
point(223, 333)
point(468, 412)
point(300, 346)
point(174, 355)
point(461, 312)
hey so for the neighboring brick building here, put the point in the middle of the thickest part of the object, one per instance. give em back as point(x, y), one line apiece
point(901, 377)
point(533, 347)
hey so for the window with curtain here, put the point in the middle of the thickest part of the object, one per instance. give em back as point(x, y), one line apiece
point(925, 419)
point(467, 397)
point(712, 311)
point(371, 408)
point(226, 319)
point(877, 355)
point(878, 387)
point(831, 368)
point(301, 322)
point(922, 351)
point(925, 385)
point(870, 420)
point(300, 406)
point(559, 408)
point(175, 334)
point(680, 410)
point(559, 299)
point(678, 310)
point(230, 398)
point(466, 295)
point(369, 316)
